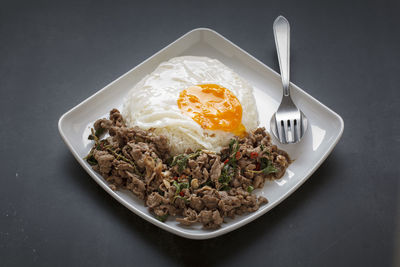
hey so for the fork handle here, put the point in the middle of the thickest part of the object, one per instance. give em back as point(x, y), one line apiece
point(282, 43)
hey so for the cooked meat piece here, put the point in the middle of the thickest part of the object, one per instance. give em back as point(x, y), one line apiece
point(137, 150)
point(180, 203)
point(104, 160)
point(149, 164)
point(102, 125)
point(196, 203)
point(236, 182)
point(281, 160)
point(262, 200)
point(173, 211)
point(196, 173)
point(154, 199)
point(205, 190)
point(116, 118)
point(161, 210)
point(159, 168)
point(123, 167)
point(202, 159)
point(248, 174)
point(216, 168)
point(210, 219)
point(137, 186)
point(258, 181)
point(190, 214)
point(238, 192)
point(251, 203)
point(243, 163)
point(228, 203)
point(205, 216)
point(161, 143)
point(116, 180)
point(251, 166)
point(190, 217)
point(210, 202)
point(192, 164)
point(171, 192)
point(158, 204)
point(205, 176)
point(245, 181)
point(137, 160)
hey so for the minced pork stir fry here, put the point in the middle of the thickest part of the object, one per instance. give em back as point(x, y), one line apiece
point(197, 186)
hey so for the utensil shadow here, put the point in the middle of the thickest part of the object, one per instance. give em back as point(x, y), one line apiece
point(184, 251)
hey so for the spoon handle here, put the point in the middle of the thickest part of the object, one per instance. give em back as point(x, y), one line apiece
point(282, 43)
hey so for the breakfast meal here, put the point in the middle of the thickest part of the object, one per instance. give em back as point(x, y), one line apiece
point(187, 143)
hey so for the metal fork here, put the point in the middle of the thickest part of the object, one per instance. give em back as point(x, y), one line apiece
point(288, 124)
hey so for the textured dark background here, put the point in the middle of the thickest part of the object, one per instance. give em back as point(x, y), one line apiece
point(54, 54)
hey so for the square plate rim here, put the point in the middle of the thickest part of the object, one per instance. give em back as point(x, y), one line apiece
point(177, 231)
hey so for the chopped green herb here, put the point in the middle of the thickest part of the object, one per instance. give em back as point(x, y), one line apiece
point(264, 163)
point(231, 143)
point(184, 185)
point(230, 166)
point(233, 147)
point(169, 161)
point(270, 169)
point(182, 160)
point(162, 218)
point(250, 189)
point(225, 187)
point(179, 186)
point(226, 174)
point(99, 132)
point(266, 167)
point(93, 136)
point(208, 183)
point(101, 144)
point(226, 177)
point(178, 193)
point(91, 160)
point(262, 147)
point(233, 153)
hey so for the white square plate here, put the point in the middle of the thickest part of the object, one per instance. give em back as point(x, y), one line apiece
point(324, 131)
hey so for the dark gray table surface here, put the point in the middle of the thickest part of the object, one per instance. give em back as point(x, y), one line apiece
point(54, 54)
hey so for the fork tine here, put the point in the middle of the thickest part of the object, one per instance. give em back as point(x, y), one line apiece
point(301, 126)
point(279, 130)
point(293, 124)
point(293, 130)
point(285, 132)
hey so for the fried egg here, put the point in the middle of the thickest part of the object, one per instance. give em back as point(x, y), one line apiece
point(196, 102)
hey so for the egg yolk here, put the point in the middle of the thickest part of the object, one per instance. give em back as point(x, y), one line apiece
point(213, 107)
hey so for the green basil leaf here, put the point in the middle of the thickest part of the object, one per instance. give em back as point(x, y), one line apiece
point(162, 218)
